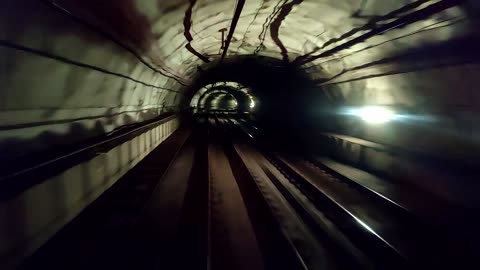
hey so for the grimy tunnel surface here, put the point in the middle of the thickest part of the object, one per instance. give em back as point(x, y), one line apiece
point(326, 101)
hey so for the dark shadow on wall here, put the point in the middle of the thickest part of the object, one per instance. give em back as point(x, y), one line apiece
point(275, 26)
point(108, 117)
point(458, 51)
point(18, 15)
point(18, 154)
point(121, 18)
point(187, 25)
point(116, 24)
point(18, 151)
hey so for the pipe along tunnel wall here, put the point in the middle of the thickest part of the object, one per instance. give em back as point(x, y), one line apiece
point(72, 71)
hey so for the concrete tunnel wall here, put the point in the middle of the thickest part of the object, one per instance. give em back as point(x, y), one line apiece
point(68, 72)
point(47, 102)
point(30, 218)
point(426, 68)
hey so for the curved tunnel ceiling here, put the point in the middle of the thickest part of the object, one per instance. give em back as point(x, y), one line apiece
point(178, 37)
point(355, 50)
point(73, 71)
point(137, 58)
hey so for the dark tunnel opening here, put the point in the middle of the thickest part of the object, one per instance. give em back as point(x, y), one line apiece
point(284, 96)
point(218, 101)
point(189, 134)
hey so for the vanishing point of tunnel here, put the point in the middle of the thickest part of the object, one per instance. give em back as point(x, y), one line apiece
point(239, 134)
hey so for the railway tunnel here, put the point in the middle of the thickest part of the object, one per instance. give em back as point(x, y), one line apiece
point(259, 134)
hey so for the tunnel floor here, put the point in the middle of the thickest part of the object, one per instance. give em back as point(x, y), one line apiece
point(220, 193)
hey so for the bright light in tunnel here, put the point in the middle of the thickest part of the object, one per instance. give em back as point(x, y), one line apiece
point(375, 114)
point(252, 103)
point(383, 114)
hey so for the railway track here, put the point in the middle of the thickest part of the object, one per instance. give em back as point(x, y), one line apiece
point(396, 233)
point(217, 199)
